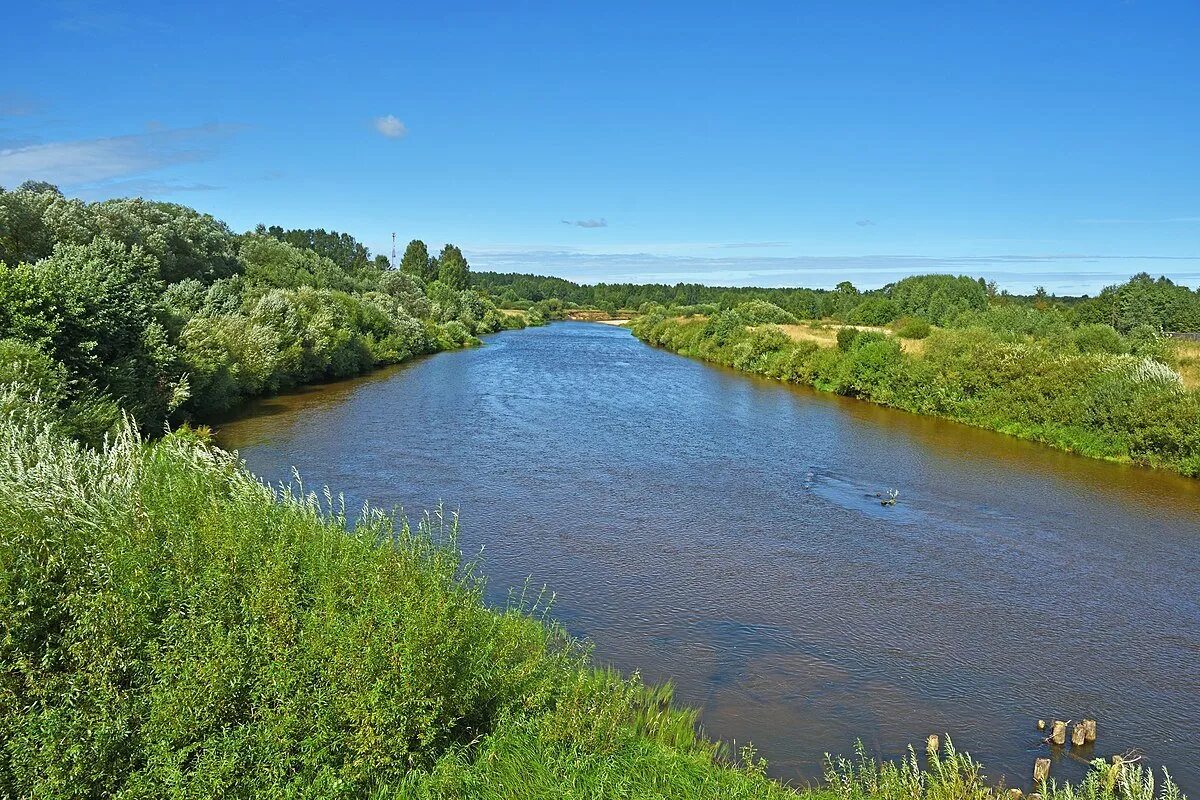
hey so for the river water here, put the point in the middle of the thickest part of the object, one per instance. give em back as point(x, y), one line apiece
point(719, 530)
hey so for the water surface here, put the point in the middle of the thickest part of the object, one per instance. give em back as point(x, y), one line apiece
point(719, 530)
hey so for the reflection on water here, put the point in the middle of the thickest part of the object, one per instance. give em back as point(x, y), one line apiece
point(723, 531)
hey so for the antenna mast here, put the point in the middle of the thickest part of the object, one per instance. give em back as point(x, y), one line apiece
point(393, 249)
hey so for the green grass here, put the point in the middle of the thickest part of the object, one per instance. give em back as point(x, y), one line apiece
point(169, 627)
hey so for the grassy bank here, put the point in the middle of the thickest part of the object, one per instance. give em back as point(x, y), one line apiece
point(1089, 390)
point(170, 627)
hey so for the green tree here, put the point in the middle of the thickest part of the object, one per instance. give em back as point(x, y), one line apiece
point(452, 268)
point(24, 235)
point(95, 309)
point(416, 261)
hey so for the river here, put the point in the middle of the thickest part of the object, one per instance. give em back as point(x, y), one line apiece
point(718, 530)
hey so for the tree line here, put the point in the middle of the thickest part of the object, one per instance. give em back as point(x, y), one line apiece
point(1143, 300)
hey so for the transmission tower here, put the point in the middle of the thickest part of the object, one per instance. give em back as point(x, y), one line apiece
point(393, 249)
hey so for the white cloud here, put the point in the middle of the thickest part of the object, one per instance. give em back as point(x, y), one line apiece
point(93, 160)
point(390, 127)
point(587, 223)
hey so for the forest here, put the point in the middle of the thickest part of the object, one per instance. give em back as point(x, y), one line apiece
point(1143, 300)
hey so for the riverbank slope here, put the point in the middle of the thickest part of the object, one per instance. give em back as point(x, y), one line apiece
point(1115, 407)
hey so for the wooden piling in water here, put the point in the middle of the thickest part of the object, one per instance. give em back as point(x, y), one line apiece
point(931, 744)
point(1078, 734)
point(1041, 724)
point(1041, 770)
point(1059, 733)
point(1089, 730)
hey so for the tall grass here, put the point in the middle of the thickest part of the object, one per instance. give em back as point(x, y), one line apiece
point(170, 627)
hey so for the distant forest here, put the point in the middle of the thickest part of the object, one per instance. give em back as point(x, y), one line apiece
point(1142, 300)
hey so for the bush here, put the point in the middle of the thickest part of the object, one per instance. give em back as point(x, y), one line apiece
point(852, 338)
point(873, 311)
point(912, 328)
point(1099, 338)
point(760, 312)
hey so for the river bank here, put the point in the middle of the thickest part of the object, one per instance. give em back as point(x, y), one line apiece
point(337, 655)
point(1116, 408)
point(734, 548)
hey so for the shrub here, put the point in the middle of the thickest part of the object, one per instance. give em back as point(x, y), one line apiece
point(1099, 338)
point(873, 311)
point(912, 328)
point(760, 312)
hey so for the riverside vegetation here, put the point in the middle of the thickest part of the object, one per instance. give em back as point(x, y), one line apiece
point(163, 312)
point(170, 626)
point(1094, 375)
point(1040, 374)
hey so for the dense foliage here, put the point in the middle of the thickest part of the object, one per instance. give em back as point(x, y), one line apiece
point(1087, 388)
point(164, 312)
point(1145, 301)
point(937, 299)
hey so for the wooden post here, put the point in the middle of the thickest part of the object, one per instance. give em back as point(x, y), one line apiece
point(1059, 733)
point(1078, 734)
point(1089, 730)
point(1041, 724)
point(1041, 770)
point(931, 744)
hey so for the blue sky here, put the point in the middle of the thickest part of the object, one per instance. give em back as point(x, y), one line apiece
point(801, 143)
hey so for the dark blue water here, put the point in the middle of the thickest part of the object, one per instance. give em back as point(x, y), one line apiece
point(719, 530)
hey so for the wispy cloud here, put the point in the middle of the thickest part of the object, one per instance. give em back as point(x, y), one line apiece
point(18, 105)
point(865, 223)
point(141, 188)
point(391, 127)
point(750, 245)
point(587, 223)
point(88, 161)
point(1124, 221)
point(96, 16)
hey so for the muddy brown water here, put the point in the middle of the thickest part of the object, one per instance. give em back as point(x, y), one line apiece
point(719, 530)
